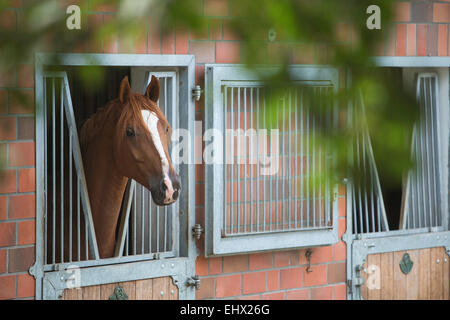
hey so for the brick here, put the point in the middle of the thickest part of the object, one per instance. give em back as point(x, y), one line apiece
point(8, 20)
point(140, 38)
point(322, 293)
point(228, 52)
point(216, 7)
point(154, 40)
point(317, 276)
point(342, 32)
point(25, 286)
point(204, 51)
point(3, 261)
point(411, 39)
point(199, 193)
point(235, 263)
point(302, 294)
point(321, 254)
point(442, 40)
point(95, 21)
point(291, 278)
point(273, 296)
point(8, 181)
point(201, 266)
point(103, 6)
point(25, 76)
point(260, 261)
point(215, 29)
point(181, 42)
point(441, 12)
point(27, 180)
point(421, 39)
point(253, 282)
point(3, 207)
point(22, 206)
point(340, 292)
point(252, 297)
point(342, 226)
point(400, 43)
point(110, 41)
point(390, 42)
point(228, 33)
point(20, 259)
point(402, 11)
point(27, 232)
point(340, 251)
point(25, 128)
point(21, 154)
point(8, 287)
point(215, 265)
point(206, 290)
point(342, 207)
point(432, 40)
point(228, 286)
point(421, 11)
point(273, 282)
point(337, 272)
point(303, 53)
point(21, 102)
point(285, 258)
point(168, 43)
point(3, 108)
point(8, 78)
point(7, 234)
point(8, 128)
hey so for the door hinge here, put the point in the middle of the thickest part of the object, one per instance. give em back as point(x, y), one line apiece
point(193, 281)
point(197, 231)
point(197, 92)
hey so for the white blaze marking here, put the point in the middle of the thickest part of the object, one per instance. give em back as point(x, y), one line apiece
point(151, 120)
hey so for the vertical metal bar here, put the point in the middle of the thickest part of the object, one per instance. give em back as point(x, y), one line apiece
point(225, 164)
point(283, 157)
point(238, 159)
point(434, 154)
point(289, 172)
point(313, 159)
point(70, 197)
point(134, 221)
point(62, 170)
point(257, 177)
point(78, 221)
point(251, 161)
point(364, 187)
point(422, 160)
point(232, 161)
point(245, 163)
point(142, 219)
point(359, 186)
point(54, 171)
point(308, 158)
point(45, 171)
point(296, 156)
point(267, 151)
point(302, 156)
point(149, 225)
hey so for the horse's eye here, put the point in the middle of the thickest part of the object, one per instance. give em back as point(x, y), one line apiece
point(130, 132)
point(167, 129)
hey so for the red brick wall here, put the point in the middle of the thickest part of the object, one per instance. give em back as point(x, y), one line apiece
point(421, 29)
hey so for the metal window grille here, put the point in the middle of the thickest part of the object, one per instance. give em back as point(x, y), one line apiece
point(256, 211)
point(423, 201)
point(146, 231)
point(422, 209)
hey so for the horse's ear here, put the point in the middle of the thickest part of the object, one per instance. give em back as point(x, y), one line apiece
point(152, 91)
point(125, 90)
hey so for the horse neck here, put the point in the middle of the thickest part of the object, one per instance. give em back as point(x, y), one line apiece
point(106, 187)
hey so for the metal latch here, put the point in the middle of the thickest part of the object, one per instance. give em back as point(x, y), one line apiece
point(197, 231)
point(193, 281)
point(197, 92)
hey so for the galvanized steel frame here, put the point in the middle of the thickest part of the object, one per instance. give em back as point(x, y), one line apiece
point(49, 285)
point(358, 247)
point(215, 244)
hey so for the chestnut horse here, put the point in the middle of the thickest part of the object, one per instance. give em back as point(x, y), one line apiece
point(127, 139)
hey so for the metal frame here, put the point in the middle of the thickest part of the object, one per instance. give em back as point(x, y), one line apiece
point(50, 284)
point(361, 245)
point(215, 243)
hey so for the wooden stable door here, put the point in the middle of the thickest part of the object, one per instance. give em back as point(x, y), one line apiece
point(147, 289)
point(428, 277)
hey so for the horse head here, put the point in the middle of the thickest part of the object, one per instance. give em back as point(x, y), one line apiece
point(141, 142)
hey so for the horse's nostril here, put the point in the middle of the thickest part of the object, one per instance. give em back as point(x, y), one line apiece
point(163, 186)
point(175, 195)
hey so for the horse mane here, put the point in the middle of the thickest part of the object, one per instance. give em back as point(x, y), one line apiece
point(128, 113)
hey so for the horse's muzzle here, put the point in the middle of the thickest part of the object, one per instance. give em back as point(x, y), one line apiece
point(170, 187)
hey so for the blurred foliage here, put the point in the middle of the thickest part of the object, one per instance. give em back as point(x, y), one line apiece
point(272, 32)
